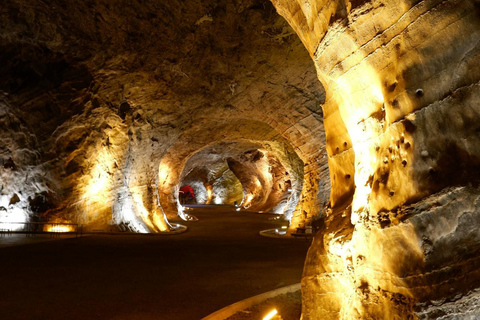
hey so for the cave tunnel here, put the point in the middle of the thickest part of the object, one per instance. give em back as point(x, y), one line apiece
point(358, 119)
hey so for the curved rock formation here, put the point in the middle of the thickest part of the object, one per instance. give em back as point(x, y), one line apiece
point(106, 109)
point(118, 96)
point(257, 176)
point(401, 112)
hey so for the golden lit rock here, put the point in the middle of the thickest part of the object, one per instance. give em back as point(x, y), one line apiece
point(401, 102)
point(107, 110)
point(115, 125)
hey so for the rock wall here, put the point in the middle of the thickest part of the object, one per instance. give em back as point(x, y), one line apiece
point(258, 175)
point(213, 182)
point(227, 189)
point(25, 191)
point(264, 180)
point(117, 103)
point(401, 113)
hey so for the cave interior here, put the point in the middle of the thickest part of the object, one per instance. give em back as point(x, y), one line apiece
point(357, 117)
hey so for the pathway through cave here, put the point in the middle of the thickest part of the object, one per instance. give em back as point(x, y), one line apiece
point(221, 259)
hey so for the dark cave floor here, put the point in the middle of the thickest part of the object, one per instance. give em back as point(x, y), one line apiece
point(221, 259)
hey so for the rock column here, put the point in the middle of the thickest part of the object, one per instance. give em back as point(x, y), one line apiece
point(401, 119)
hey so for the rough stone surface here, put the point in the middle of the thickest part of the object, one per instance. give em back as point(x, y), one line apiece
point(24, 186)
point(119, 95)
point(400, 239)
point(212, 180)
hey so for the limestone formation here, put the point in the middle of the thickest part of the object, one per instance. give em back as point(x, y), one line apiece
point(400, 239)
point(249, 174)
point(108, 107)
point(118, 96)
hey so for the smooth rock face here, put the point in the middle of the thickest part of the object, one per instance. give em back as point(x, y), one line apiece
point(400, 240)
point(115, 97)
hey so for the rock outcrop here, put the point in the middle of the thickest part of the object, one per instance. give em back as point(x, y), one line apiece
point(401, 120)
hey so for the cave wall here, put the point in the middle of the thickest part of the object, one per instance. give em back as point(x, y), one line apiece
point(227, 189)
point(401, 113)
point(109, 93)
point(264, 180)
point(24, 188)
point(212, 181)
point(259, 175)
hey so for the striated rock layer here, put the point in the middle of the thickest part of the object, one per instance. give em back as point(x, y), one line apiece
point(114, 98)
point(400, 240)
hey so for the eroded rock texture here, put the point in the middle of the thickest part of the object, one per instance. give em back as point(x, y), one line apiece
point(262, 176)
point(400, 239)
point(114, 97)
point(24, 187)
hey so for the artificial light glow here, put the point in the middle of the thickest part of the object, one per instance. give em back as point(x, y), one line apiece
point(248, 200)
point(126, 214)
point(11, 226)
point(182, 214)
point(158, 221)
point(217, 200)
point(59, 228)
point(181, 211)
point(280, 209)
point(342, 248)
point(163, 174)
point(97, 190)
point(13, 220)
point(271, 314)
point(359, 101)
point(209, 194)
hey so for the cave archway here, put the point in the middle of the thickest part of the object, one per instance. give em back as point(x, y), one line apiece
point(256, 167)
point(245, 135)
point(109, 113)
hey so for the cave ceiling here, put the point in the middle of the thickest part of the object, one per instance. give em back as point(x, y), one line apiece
point(105, 94)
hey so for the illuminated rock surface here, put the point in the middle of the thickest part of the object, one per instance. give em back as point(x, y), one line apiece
point(245, 171)
point(114, 98)
point(401, 238)
point(107, 109)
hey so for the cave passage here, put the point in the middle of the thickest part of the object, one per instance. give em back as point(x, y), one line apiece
point(253, 176)
point(358, 118)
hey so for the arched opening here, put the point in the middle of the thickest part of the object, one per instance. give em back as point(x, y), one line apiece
point(246, 174)
point(106, 111)
point(214, 183)
point(270, 171)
